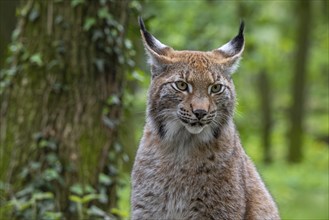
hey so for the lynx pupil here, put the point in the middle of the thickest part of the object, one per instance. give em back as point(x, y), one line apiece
point(217, 88)
point(181, 85)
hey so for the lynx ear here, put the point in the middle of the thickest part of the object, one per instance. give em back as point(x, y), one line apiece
point(231, 51)
point(158, 52)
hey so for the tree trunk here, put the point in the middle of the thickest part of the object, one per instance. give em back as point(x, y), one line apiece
point(298, 88)
point(64, 86)
point(266, 111)
point(7, 25)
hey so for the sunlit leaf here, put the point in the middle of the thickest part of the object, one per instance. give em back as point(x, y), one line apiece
point(50, 174)
point(34, 14)
point(42, 196)
point(77, 189)
point(75, 3)
point(89, 197)
point(95, 211)
point(53, 215)
point(89, 22)
point(36, 59)
point(75, 199)
point(119, 212)
point(105, 179)
point(27, 190)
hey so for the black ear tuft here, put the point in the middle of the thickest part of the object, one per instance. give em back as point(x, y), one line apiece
point(238, 41)
point(149, 39)
point(241, 27)
point(141, 24)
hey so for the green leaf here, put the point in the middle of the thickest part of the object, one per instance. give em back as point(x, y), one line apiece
point(34, 14)
point(52, 158)
point(104, 179)
point(113, 100)
point(96, 35)
point(23, 174)
point(35, 165)
point(89, 198)
point(105, 110)
point(15, 48)
point(43, 143)
point(43, 196)
point(119, 212)
point(75, 3)
point(104, 13)
point(125, 157)
point(89, 189)
point(36, 59)
point(117, 147)
point(94, 210)
point(77, 189)
point(75, 199)
point(103, 2)
point(24, 205)
point(47, 144)
point(89, 22)
point(26, 191)
point(110, 123)
point(50, 174)
point(138, 75)
point(128, 44)
point(53, 215)
point(100, 65)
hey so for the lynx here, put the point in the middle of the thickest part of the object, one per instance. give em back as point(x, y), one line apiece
point(190, 163)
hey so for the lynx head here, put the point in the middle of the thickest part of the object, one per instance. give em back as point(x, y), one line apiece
point(191, 95)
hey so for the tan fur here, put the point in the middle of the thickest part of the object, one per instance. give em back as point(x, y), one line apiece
point(182, 175)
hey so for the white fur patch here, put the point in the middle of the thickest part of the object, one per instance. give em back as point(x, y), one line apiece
point(227, 48)
point(158, 44)
point(184, 136)
point(194, 129)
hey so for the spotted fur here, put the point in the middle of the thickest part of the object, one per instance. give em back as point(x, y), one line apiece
point(190, 163)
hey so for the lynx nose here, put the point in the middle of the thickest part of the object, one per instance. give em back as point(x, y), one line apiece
point(200, 113)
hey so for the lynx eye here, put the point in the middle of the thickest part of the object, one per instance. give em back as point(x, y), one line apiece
point(181, 85)
point(217, 88)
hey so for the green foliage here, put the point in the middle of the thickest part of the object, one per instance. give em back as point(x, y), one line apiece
point(41, 182)
point(35, 198)
point(301, 191)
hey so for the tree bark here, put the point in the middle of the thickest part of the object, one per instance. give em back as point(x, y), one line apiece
point(7, 25)
point(297, 110)
point(67, 87)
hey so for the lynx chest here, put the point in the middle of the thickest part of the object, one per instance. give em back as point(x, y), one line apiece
point(194, 187)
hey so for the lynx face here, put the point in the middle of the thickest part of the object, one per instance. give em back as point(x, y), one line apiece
point(191, 94)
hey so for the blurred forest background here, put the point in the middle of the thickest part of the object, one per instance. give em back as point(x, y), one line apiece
point(73, 85)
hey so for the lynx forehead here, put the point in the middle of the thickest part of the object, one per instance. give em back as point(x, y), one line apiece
point(198, 65)
point(190, 163)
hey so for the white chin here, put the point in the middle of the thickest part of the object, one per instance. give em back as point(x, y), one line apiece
point(194, 129)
